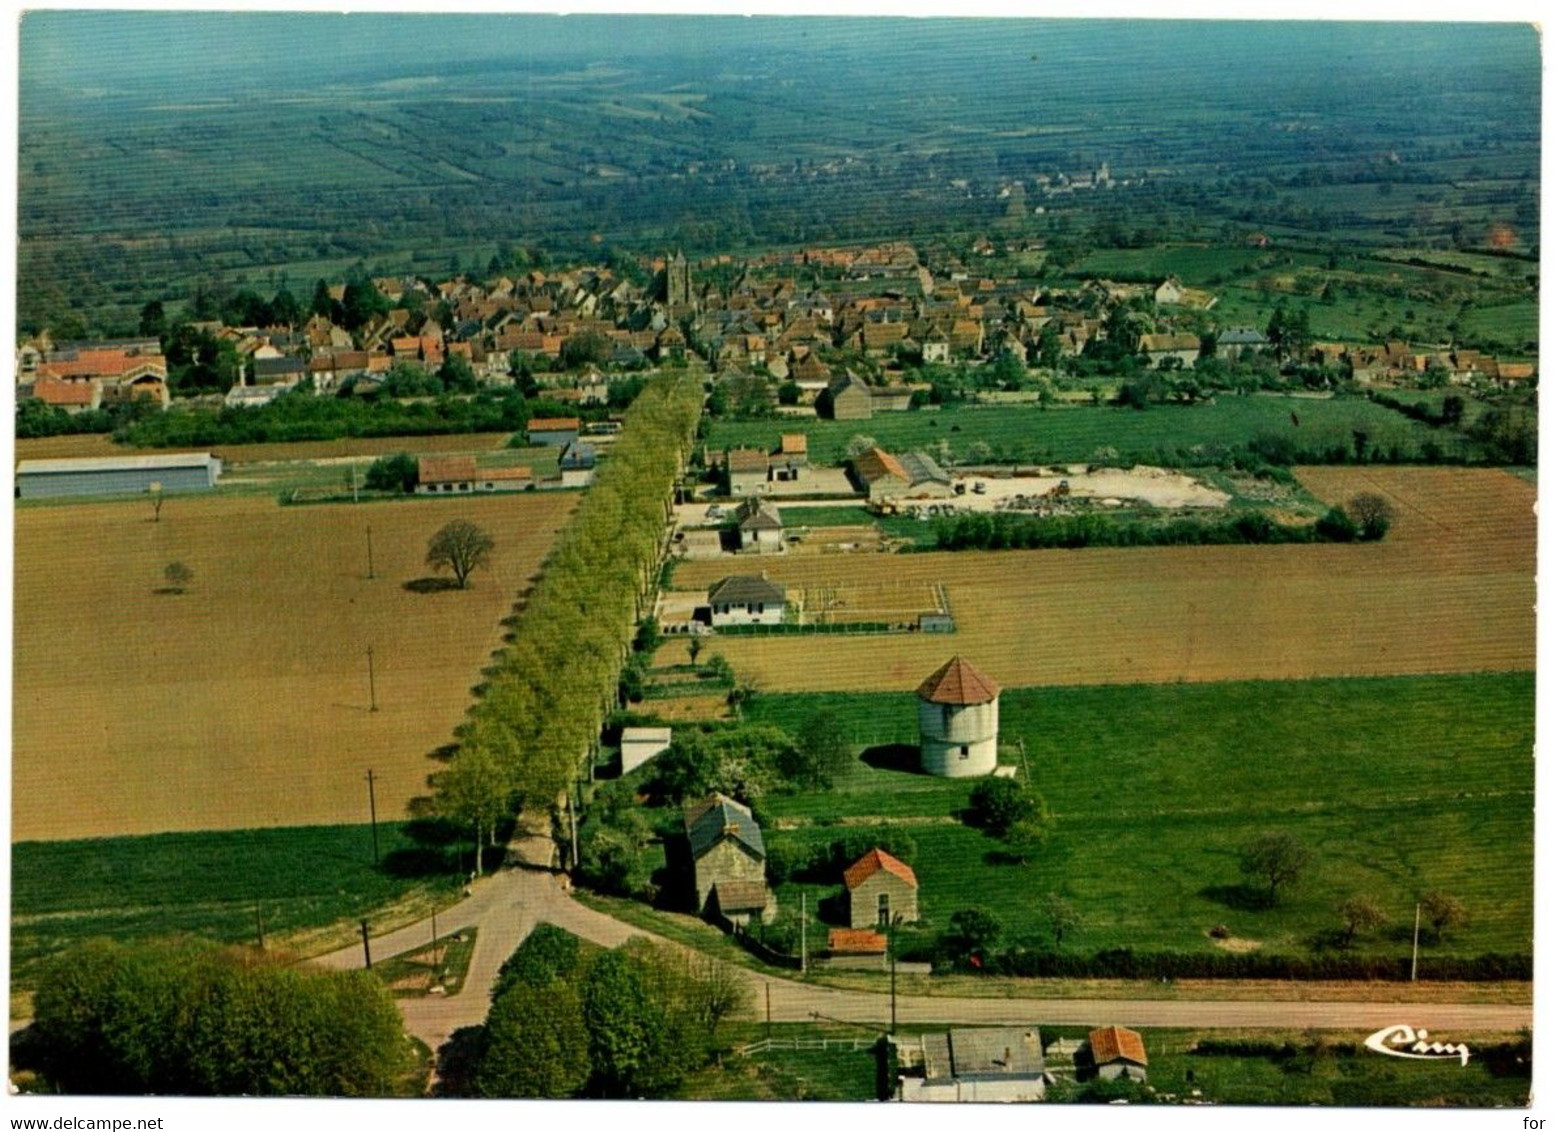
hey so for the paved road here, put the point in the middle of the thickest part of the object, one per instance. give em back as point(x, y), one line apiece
point(506, 906)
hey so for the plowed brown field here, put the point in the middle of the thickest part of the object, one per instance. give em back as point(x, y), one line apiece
point(244, 701)
point(1450, 590)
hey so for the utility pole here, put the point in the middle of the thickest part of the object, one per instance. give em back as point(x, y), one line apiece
point(891, 951)
point(372, 687)
point(259, 918)
point(370, 552)
point(372, 815)
point(1415, 945)
point(367, 952)
point(354, 498)
point(802, 933)
point(572, 821)
point(769, 988)
point(1021, 745)
point(437, 965)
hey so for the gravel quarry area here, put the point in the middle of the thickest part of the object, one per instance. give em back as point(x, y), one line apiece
point(1156, 487)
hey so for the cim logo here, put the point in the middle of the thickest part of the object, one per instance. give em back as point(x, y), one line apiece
point(1402, 1041)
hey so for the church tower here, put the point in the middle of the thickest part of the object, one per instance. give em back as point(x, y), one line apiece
point(678, 281)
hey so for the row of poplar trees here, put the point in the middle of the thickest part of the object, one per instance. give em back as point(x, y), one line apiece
point(525, 740)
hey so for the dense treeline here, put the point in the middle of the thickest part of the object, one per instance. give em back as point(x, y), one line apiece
point(299, 416)
point(565, 1021)
point(1033, 532)
point(188, 1018)
point(553, 688)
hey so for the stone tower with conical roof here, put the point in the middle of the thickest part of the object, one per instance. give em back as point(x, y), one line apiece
point(958, 721)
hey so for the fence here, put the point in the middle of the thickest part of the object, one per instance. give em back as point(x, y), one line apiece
point(768, 1044)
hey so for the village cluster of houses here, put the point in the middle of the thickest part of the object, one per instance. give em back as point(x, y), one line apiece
point(759, 324)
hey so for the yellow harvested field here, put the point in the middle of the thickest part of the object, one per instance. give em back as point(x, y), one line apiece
point(244, 702)
point(1450, 590)
point(96, 444)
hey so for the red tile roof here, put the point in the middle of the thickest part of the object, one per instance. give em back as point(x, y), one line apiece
point(553, 424)
point(855, 941)
point(958, 682)
point(873, 862)
point(793, 444)
point(52, 392)
point(1111, 1043)
point(877, 464)
point(445, 469)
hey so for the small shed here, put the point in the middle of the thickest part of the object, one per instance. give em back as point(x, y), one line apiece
point(741, 901)
point(880, 889)
point(577, 464)
point(1112, 1053)
point(639, 744)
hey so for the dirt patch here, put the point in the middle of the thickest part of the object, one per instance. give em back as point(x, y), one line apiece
point(1450, 590)
point(245, 701)
point(1236, 945)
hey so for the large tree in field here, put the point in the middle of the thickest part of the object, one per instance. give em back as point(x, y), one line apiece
point(1275, 860)
point(460, 547)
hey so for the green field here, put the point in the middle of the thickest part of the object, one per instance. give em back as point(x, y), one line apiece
point(217, 885)
point(1195, 266)
point(1397, 785)
point(837, 1073)
point(1171, 434)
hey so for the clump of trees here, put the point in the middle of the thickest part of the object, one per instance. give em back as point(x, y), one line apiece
point(1274, 861)
point(631, 1022)
point(192, 1019)
point(393, 473)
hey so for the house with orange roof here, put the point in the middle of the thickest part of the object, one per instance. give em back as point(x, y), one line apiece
point(455, 475)
point(71, 396)
point(881, 891)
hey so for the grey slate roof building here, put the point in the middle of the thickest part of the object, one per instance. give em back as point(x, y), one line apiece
point(758, 515)
point(993, 1064)
point(718, 817)
point(921, 468)
point(577, 456)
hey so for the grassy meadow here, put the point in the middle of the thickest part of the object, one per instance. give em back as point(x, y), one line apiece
point(1396, 785)
point(298, 881)
point(1166, 433)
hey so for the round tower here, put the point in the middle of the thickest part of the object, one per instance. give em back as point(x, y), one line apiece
point(958, 721)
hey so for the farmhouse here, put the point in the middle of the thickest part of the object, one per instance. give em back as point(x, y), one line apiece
point(1112, 1052)
point(552, 430)
point(880, 888)
point(1159, 347)
point(726, 846)
point(442, 475)
point(639, 744)
point(1231, 343)
point(760, 526)
point(117, 475)
point(958, 719)
point(982, 1065)
point(744, 599)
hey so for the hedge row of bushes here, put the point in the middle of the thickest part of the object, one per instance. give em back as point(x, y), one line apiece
point(1033, 532)
point(1125, 963)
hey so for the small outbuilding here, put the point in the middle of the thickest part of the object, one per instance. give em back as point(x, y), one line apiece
point(577, 464)
point(639, 744)
point(745, 470)
point(880, 889)
point(1112, 1053)
point(560, 431)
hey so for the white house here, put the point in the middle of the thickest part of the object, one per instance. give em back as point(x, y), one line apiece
point(746, 599)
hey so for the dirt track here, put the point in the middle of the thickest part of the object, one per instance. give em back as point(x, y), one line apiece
point(1450, 590)
point(244, 701)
